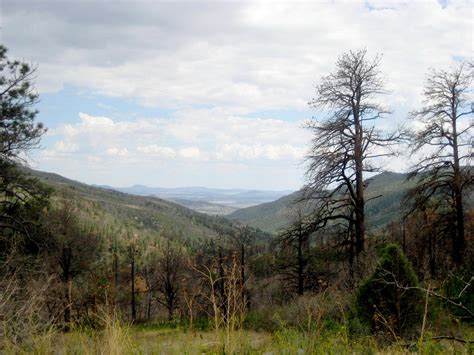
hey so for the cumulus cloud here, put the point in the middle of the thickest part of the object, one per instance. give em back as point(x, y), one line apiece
point(66, 147)
point(116, 151)
point(247, 55)
point(194, 145)
point(217, 66)
point(196, 134)
point(237, 151)
point(156, 150)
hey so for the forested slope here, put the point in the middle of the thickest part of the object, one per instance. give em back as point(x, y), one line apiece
point(384, 194)
point(142, 212)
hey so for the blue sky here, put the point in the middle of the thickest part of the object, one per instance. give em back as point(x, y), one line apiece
point(212, 93)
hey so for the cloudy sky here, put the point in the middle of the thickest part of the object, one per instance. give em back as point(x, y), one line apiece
point(211, 93)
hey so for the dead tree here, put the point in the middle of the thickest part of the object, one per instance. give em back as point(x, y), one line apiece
point(295, 240)
point(346, 140)
point(443, 139)
point(133, 251)
point(242, 238)
point(170, 272)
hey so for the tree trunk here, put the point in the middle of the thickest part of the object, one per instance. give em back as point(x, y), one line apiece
point(170, 308)
point(300, 264)
point(242, 276)
point(458, 242)
point(133, 303)
point(67, 281)
point(359, 202)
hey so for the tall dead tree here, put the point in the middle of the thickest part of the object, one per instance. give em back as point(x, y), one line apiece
point(443, 139)
point(345, 140)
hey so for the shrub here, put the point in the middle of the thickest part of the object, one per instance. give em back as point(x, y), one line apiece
point(389, 299)
point(459, 288)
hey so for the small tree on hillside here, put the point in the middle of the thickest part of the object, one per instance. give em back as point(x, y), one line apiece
point(72, 248)
point(294, 244)
point(170, 271)
point(390, 299)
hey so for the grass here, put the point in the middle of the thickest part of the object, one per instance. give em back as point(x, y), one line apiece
point(118, 338)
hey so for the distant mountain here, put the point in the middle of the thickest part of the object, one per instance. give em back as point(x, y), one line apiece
point(204, 199)
point(383, 195)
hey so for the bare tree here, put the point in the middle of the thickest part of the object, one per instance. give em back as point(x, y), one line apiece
point(243, 238)
point(444, 138)
point(132, 253)
point(71, 249)
point(295, 238)
point(345, 142)
point(170, 272)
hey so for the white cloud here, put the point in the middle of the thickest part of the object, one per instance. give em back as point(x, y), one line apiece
point(154, 149)
point(237, 151)
point(210, 149)
point(190, 153)
point(235, 59)
point(119, 152)
point(197, 134)
point(249, 55)
point(66, 147)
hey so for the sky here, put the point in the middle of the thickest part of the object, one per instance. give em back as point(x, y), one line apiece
point(215, 94)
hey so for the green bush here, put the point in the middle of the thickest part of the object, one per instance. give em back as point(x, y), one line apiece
point(389, 300)
point(456, 286)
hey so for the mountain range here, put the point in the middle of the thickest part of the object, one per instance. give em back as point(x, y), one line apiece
point(180, 208)
point(384, 193)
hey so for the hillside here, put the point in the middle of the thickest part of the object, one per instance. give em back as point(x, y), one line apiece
point(384, 193)
point(143, 212)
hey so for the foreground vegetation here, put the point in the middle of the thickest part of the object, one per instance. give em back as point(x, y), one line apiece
point(335, 334)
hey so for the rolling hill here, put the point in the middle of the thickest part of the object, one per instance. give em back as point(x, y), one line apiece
point(384, 193)
point(143, 212)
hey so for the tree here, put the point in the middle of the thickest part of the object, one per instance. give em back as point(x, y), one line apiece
point(295, 239)
point(390, 296)
point(440, 174)
point(18, 131)
point(169, 274)
point(72, 248)
point(243, 238)
point(21, 197)
point(344, 143)
point(133, 252)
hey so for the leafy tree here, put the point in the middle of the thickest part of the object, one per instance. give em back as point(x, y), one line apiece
point(18, 131)
point(21, 197)
point(441, 177)
point(390, 297)
point(345, 142)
